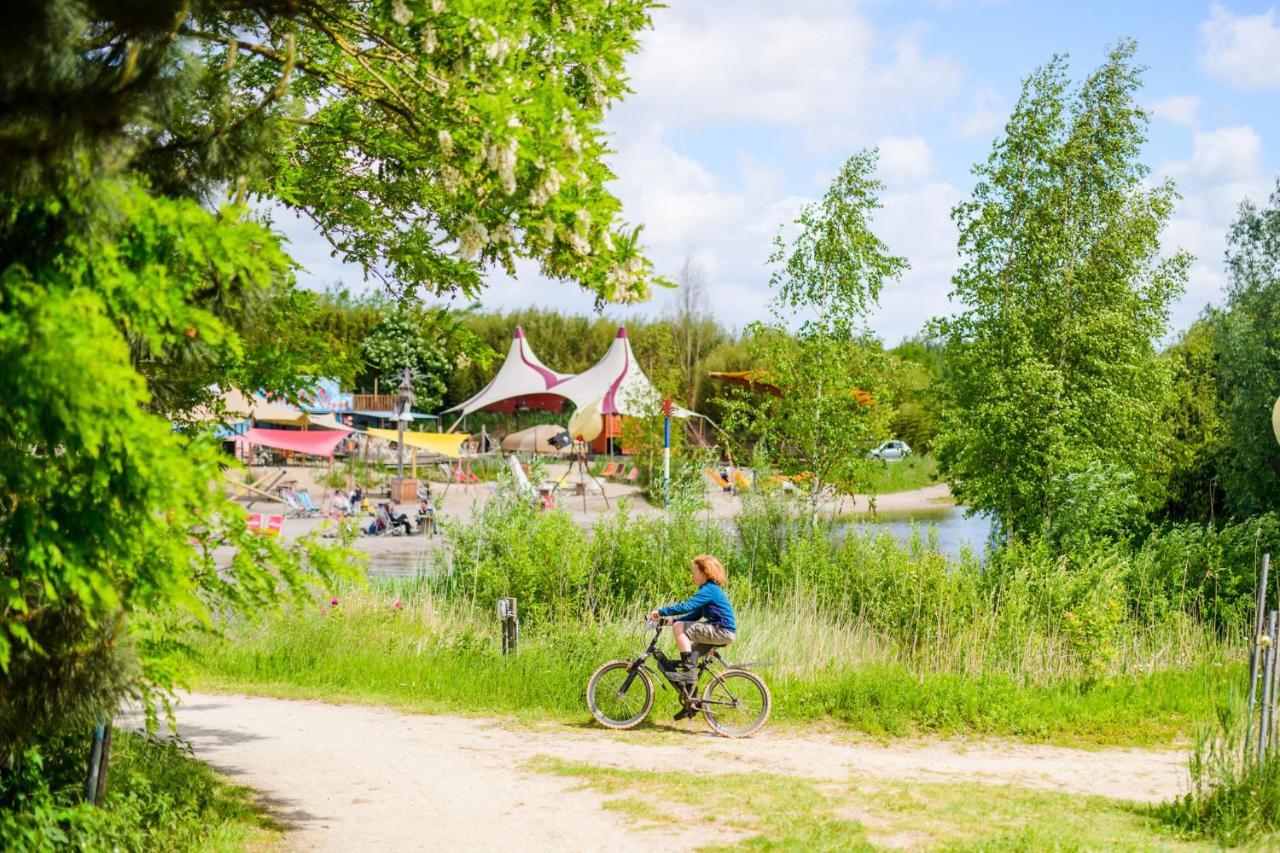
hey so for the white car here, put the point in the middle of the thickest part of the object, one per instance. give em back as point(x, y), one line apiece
point(891, 451)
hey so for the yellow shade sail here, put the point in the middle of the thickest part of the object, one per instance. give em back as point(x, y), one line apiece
point(445, 443)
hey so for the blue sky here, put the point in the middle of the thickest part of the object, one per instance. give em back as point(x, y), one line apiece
point(743, 110)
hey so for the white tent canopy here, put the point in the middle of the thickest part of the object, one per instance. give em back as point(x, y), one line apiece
point(617, 383)
point(523, 380)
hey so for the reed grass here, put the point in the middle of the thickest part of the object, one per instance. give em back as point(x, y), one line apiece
point(1110, 643)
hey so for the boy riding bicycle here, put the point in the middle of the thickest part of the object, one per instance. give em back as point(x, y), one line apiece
point(705, 619)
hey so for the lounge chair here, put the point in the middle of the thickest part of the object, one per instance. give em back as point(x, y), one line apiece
point(292, 503)
point(718, 480)
point(609, 470)
point(386, 526)
point(304, 498)
point(633, 475)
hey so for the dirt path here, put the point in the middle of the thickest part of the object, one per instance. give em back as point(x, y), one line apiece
point(356, 777)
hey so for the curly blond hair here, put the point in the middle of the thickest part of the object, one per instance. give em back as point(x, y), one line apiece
point(712, 568)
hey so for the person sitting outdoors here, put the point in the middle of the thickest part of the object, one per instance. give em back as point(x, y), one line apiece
point(427, 516)
point(398, 519)
point(705, 619)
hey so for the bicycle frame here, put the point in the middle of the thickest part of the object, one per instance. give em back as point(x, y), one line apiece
point(666, 665)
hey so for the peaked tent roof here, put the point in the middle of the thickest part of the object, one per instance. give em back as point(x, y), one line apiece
point(616, 381)
point(523, 378)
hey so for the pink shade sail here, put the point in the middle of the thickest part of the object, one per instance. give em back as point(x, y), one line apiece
point(315, 443)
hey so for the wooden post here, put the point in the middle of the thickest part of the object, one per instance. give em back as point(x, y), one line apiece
point(510, 625)
point(104, 763)
point(1255, 645)
point(1268, 664)
point(95, 763)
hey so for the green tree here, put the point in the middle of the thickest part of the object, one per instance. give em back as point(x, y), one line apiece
point(918, 367)
point(430, 342)
point(1249, 341)
point(835, 397)
point(426, 141)
point(1055, 390)
point(1198, 431)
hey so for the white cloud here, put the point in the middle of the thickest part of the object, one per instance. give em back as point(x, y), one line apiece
point(1241, 49)
point(917, 225)
point(905, 160)
point(822, 69)
point(719, 88)
point(1225, 167)
point(987, 113)
point(1178, 109)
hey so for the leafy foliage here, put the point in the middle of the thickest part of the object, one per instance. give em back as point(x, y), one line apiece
point(1249, 372)
point(835, 396)
point(160, 798)
point(425, 140)
point(1055, 391)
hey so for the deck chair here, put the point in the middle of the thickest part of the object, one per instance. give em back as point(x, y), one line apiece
point(633, 475)
point(740, 480)
point(609, 470)
point(304, 498)
point(272, 526)
point(293, 505)
point(388, 527)
point(718, 480)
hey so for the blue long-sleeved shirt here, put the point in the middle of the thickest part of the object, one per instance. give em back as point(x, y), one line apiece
point(709, 603)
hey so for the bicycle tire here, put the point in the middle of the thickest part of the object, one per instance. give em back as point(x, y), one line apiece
point(605, 708)
point(757, 708)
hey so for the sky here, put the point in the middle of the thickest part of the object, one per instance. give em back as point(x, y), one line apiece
point(743, 110)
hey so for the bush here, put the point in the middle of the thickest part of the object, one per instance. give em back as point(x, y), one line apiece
point(158, 798)
point(1026, 611)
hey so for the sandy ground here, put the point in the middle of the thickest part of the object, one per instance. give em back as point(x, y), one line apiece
point(460, 502)
point(342, 777)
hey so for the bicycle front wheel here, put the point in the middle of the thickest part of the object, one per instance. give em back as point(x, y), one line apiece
point(618, 699)
point(736, 703)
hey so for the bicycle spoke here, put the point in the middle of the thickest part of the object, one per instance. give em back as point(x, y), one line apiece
point(736, 704)
point(615, 704)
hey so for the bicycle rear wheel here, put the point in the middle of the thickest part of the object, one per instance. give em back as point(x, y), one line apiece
point(613, 706)
point(736, 703)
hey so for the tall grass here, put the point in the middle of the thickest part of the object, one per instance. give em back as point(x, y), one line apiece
point(1109, 643)
point(1234, 796)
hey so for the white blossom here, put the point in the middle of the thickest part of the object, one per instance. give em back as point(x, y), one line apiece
point(400, 13)
point(451, 178)
point(446, 141)
point(472, 239)
point(579, 243)
point(550, 185)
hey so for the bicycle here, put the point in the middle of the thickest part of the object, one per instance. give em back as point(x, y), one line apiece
point(735, 702)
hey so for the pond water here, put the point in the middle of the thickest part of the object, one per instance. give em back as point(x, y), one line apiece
point(952, 529)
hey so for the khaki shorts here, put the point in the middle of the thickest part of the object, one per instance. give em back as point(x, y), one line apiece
point(707, 634)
